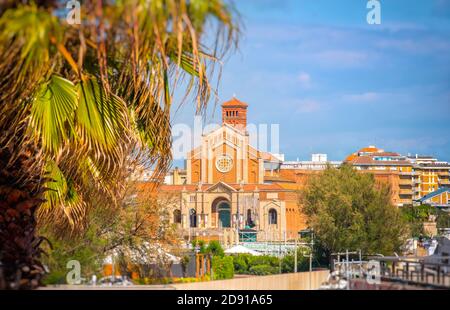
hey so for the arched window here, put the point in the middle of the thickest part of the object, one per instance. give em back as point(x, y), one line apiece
point(272, 217)
point(192, 218)
point(177, 216)
point(249, 218)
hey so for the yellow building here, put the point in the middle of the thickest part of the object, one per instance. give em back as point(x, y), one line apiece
point(410, 177)
point(439, 198)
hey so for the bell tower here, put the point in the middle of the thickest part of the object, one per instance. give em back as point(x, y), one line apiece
point(234, 113)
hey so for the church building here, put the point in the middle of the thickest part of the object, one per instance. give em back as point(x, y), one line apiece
point(231, 190)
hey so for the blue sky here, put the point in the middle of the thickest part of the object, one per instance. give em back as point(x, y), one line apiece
point(336, 84)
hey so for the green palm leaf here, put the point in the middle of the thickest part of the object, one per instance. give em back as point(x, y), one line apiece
point(101, 117)
point(61, 197)
point(52, 113)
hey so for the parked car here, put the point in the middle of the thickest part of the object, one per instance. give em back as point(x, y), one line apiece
point(117, 280)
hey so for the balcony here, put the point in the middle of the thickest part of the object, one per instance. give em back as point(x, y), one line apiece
point(406, 173)
point(405, 182)
point(443, 173)
point(404, 191)
point(405, 201)
point(444, 182)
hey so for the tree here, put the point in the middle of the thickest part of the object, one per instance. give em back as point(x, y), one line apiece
point(349, 210)
point(415, 216)
point(140, 226)
point(443, 219)
point(214, 248)
point(80, 103)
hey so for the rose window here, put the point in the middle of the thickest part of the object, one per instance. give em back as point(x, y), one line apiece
point(224, 163)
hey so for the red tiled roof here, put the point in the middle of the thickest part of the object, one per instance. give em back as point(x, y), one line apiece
point(268, 156)
point(194, 187)
point(369, 149)
point(385, 154)
point(368, 160)
point(277, 179)
point(168, 188)
point(234, 103)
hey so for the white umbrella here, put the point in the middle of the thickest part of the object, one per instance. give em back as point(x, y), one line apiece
point(240, 249)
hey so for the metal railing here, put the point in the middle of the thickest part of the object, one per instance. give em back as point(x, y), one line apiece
point(428, 271)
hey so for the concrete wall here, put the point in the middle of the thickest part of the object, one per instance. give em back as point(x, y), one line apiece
point(288, 281)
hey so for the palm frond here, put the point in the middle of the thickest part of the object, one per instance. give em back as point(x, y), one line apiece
point(52, 113)
point(94, 115)
point(25, 50)
point(100, 117)
point(63, 201)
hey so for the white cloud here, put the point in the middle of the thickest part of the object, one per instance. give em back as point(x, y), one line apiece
point(305, 80)
point(362, 98)
point(307, 106)
point(402, 26)
point(423, 45)
point(342, 58)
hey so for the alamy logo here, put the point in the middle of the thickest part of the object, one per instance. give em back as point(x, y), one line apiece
point(374, 14)
point(74, 275)
point(74, 12)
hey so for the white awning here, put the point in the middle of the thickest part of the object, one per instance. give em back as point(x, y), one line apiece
point(240, 249)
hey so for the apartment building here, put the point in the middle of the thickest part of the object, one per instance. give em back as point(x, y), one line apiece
point(411, 177)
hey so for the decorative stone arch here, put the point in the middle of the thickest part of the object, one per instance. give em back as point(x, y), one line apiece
point(221, 213)
point(273, 231)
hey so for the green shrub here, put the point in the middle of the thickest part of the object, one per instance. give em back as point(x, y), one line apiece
point(215, 248)
point(288, 262)
point(264, 260)
point(223, 267)
point(202, 245)
point(241, 263)
point(55, 277)
point(263, 270)
point(244, 262)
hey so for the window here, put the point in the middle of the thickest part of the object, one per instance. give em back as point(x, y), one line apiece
point(224, 163)
point(177, 216)
point(192, 218)
point(249, 221)
point(272, 217)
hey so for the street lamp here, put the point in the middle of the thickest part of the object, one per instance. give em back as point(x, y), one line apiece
point(238, 213)
point(304, 233)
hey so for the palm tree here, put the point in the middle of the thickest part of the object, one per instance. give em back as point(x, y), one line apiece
point(79, 103)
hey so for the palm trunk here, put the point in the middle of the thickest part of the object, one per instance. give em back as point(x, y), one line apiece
point(19, 199)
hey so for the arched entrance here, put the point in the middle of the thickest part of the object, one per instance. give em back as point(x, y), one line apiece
point(224, 214)
point(221, 213)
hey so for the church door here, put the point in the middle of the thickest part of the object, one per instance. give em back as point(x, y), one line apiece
point(224, 215)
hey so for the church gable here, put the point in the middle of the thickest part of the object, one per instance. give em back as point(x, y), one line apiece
point(220, 187)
